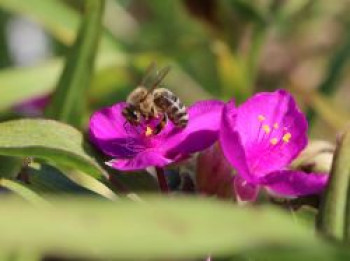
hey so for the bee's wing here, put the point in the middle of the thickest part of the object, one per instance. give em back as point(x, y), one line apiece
point(153, 76)
point(160, 76)
point(150, 73)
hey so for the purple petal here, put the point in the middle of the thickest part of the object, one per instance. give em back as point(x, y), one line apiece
point(231, 143)
point(245, 191)
point(201, 131)
point(272, 131)
point(141, 161)
point(295, 183)
point(108, 132)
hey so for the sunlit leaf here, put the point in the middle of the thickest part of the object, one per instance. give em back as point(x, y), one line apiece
point(20, 84)
point(55, 142)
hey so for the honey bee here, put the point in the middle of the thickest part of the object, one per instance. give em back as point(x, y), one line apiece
point(149, 102)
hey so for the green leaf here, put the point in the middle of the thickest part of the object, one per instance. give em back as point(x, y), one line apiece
point(274, 253)
point(23, 191)
point(20, 84)
point(55, 142)
point(10, 166)
point(89, 183)
point(332, 212)
point(46, 179)
point(154, 229)
point(67, 103)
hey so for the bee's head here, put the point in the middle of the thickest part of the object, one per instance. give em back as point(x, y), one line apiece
point(131, 114)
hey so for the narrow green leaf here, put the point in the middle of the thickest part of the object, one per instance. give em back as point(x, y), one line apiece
point(155, 229)
point(68, 101)
point(332, 212)
point(55, 142)
point(24, 192)
point(45, 179)
point(89, 183)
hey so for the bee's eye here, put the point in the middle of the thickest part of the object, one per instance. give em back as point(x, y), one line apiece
point(134, 115)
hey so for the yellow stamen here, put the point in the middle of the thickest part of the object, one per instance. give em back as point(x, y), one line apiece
point(275, 126)
point(267, 129)
point(287, 137)
point(274, 141)
point(261, 117)
point(149, 131)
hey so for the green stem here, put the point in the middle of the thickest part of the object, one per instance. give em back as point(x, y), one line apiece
point(68, 103)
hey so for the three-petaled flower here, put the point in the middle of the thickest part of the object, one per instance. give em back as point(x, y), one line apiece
point(138, 147)
point(260, 138)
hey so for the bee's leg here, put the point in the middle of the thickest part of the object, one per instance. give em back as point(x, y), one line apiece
point(129, 127)
point(124, 126)
point(161, 124)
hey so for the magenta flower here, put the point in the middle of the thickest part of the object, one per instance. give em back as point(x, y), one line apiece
point(260, 138)
point(137, 147)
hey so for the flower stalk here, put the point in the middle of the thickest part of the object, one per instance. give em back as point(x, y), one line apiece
point(163, 184)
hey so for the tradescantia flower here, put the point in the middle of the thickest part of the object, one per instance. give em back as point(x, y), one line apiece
point(138, 147)
point(260, 138)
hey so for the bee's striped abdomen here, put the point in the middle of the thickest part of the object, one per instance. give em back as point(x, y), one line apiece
point(170, 104)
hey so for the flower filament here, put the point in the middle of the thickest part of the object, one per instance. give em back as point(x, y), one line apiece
point(270, 130)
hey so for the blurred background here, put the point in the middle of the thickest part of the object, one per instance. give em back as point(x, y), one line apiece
point(217, 49)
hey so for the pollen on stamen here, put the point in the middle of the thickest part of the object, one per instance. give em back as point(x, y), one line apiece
point(148, 131)
point(275, 126)
point(261, 117)
point(286, 137)
point(267, 129)
point(274, 141)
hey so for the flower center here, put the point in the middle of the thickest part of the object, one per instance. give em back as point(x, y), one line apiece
point(273, 132)
point(149, 131)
